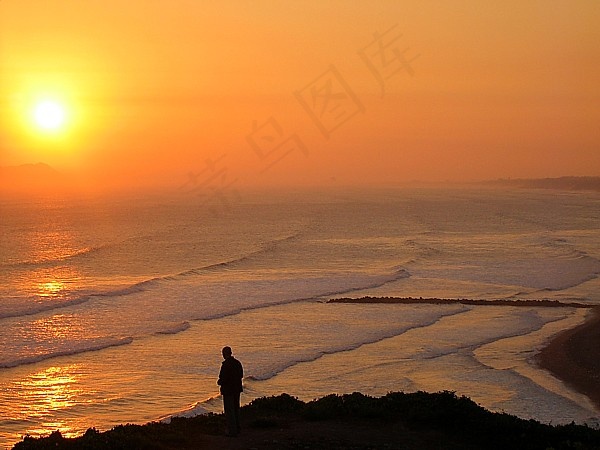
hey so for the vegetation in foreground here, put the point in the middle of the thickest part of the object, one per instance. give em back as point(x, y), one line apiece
point(398, 420)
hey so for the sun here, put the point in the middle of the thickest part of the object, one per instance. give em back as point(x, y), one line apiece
point(49, 115)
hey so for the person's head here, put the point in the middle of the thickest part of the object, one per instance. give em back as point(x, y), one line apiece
point(226, 352)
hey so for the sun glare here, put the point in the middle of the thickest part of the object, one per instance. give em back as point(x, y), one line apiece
point(49, 115)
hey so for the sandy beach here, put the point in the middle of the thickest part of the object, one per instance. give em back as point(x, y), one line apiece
point(574, 357)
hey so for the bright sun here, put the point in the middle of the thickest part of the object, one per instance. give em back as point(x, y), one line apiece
point(49, 115)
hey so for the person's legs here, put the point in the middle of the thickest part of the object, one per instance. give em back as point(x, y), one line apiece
point(231, 414)
point(237, 412)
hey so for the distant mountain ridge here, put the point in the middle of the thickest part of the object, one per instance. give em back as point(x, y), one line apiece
point(28, 170)
point(562, 183)
point(30, 178)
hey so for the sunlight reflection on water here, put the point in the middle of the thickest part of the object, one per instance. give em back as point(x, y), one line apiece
point(50, 288)
point(41, 395)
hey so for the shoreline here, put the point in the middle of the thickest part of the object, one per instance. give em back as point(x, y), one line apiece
point(573, 356)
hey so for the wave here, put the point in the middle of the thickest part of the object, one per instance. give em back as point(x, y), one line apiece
point(48, 261)
point(264, 248)
point(196, 409)
point(352, 346)
point(311, 289)
point(568, 249)
point(86, 251)
point(471, 347)
point(530, 321)
point(582, 267)
point(398, 274)
point(96, 346)
point(36, 308)
point(175, 329)
point(212, 404)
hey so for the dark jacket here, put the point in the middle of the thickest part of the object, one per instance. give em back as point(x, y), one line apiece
point(230, 376)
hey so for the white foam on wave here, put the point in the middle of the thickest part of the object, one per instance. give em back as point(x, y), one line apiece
point(177, 328)
point(168, 308)
point(212, 404)
point(325, 329)
point(519, 352)
point(445, 355)
point(46, 261)
point(17, 307)
point(75, 349)
point(12, 306)
point(529, 261)
point(333, 347)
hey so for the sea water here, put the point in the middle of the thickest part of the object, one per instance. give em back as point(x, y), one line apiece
point(114, 310)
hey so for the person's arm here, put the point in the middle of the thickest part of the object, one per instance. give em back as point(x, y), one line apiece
point(220, 380)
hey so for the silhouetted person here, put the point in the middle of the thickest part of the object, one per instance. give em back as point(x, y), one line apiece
point(230, 380)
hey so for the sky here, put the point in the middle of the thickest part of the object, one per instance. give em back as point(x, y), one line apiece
point(301, 92)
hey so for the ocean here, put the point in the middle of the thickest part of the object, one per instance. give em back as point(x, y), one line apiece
point(115, 309)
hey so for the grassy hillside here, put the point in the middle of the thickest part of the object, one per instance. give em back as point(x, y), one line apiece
point(354, 421)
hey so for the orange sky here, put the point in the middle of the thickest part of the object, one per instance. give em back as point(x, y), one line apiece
point(154, 89)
